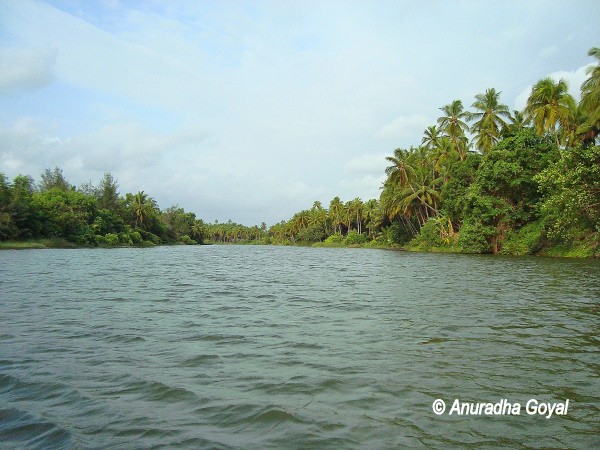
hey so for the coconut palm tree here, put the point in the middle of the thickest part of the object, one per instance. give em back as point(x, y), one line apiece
point(453, 123)
point(142, 208)
point(590, 100)
point(549, 106)
point(489, 119)
point(401, 171)
point(431, 137)
point(336, 213)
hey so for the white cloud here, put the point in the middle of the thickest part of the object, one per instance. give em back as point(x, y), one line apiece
point(549, 51)
point(365, 187)
point(404, 127)
point(25, 69)
point(373, 164)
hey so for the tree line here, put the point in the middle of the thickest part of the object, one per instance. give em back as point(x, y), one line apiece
point(482, 180)
point(90, 215)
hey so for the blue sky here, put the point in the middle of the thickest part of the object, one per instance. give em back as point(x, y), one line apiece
point(252, 110)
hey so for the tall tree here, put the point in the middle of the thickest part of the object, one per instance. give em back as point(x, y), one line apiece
point(108, 192)
point(54, 179)
point(142, 208)
point(431, 137)
point(454, 124)
point(336, 212)
point(590, 100)
point(549, 106)
point(489, 119)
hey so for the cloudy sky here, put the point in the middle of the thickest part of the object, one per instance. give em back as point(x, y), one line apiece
point(252, 110)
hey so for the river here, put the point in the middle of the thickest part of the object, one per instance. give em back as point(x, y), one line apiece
point(280, 347)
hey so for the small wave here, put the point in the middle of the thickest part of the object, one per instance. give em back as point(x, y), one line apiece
point(31, 390)
point(199, 360)
point(305, 345)
point(328, 384)
point(272, 415)
point(284, 388)
point(435, 341)
point(218, 338)
point(20, 427)
point(157, 391)
point(125, 339)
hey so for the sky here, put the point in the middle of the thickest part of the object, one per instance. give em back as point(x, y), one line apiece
point(252, 110)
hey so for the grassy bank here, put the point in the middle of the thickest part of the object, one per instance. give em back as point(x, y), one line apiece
point(36, 244)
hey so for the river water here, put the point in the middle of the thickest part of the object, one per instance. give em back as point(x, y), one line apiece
point(278, 347)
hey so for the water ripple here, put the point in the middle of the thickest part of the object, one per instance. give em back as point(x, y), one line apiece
point(270, 347)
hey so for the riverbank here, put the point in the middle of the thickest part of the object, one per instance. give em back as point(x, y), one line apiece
point(581, 248)
point(37, 244)
point(584, 247)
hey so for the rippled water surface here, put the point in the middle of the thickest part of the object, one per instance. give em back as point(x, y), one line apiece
point(270, 347)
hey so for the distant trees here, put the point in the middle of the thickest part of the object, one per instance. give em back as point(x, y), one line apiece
point(54, 209)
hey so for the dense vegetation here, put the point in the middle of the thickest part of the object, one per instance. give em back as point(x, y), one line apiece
point(57, 211)
point(485, 180)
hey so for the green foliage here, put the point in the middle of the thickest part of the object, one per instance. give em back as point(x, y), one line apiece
point(355, 238)
point(111, 239)
point(136, 238)
point(311, 234)
point(528, 240)
point(571, 189)
point(67, 214)
point(54, 179)
point(334, 239)
point(20, 207)
point(430, 234)
point(398, 233)
point(177, 222)
point(186, 240)
point(474, 237)
point(461, 175)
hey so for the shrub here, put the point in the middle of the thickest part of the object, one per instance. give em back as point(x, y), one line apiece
point(354, 237)
point(334, 239)
point(475, 237)
point(430, 234)
point(526, 241)
point(125, 239)
point(111, 239)
point(398, 233)
point(185, 239)
point(136, 238)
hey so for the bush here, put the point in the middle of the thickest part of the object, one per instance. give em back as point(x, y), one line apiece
point(430, 234)
point(311, 234)
point(475, 237)
point(398, 233)
point(111, 239)
point(334, 239)
point(354, 238)
point(125, 239)
point(185, 239)
point(136, 238)
point(526, 241)
point(147, 236)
